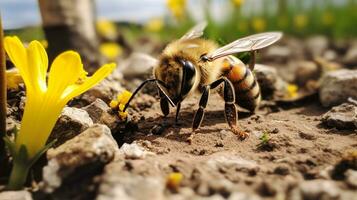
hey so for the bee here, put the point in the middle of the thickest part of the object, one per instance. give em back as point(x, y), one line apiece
point(194, 65)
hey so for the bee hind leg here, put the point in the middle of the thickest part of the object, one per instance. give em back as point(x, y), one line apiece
point(230, 109)
point(252, 60)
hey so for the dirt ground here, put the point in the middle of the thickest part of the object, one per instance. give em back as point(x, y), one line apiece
point(299, 148)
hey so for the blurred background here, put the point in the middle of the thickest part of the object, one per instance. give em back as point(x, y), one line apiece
point(112, 30)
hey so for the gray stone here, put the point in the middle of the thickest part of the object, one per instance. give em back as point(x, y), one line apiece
point(101, 113)
point(138, 65)
point(236, 162)
point(94, 147)
point(305, 71)
point(343, 116)
point(277, 53)
point(351, 178)
point(131, 187)
point(317, 45)
point(337, 86)
point(243, 196)
point(71, 122)
point(15, 195)
point(268, 79)
point(319, 189)
point(350, 57)
point(133, 151)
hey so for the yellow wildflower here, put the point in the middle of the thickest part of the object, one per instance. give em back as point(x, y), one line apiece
point(114, 104)
point(174, 180)
point(120, 102)
point(327, 19)
point(106, 29)
point(292, 90)
point(154, 25)
point(237, 3)
point(13, 79)
point(177, 8)
point(110, 50)
point(45, 99)
point(300, 21)
point(258, 24)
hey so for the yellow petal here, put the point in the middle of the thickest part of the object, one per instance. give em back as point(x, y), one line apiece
point(37, 65)
point(18, 55)
point(113, 104)
point(65, 71)
point(75, 89)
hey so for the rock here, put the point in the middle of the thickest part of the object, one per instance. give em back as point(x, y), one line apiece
point(268, 79)
point(71, 122)
point(266, 189)
point(277, 54)
point(305, 71)
point(79, 157)
point(350, 57)
point(337, 86)
point(138, 65)
point(343, 116)
point(133, 151)
point(317, 45)
point(351, 178)
point(319, 189)
point(101, 113)
point(236, 162)
point(243, 196)
point(130, 187)
point(15, 195)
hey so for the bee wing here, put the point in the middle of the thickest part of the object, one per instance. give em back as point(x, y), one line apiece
point(195, 32)
point(249, 43)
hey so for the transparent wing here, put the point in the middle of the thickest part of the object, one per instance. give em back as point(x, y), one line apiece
point(195, 32)
point(250, 43)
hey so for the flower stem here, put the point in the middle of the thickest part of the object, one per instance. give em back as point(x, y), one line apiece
point(18, 175)
point(3, 157)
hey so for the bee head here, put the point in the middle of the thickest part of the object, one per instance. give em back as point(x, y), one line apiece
point(179, 77)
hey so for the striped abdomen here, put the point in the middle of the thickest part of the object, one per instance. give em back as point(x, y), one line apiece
point(246, 87)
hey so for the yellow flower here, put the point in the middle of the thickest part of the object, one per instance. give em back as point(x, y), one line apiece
point(45, 99)
point(292, 90)
point(110, 50)
point(13, 79)
point(327, 19)
point(258, 24)
point(120, 102)
point(106, 28)
point(174, 180)
point(155, 25)
point(177, 8)
point(237, 3)
point(300, 21)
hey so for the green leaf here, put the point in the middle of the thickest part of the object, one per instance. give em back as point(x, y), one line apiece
point(42, 151)
point(10, 145)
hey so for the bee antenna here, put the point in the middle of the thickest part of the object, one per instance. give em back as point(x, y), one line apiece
point(158, 83)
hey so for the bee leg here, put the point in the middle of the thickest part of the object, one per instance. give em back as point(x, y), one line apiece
point(197, 120)
point(177, 112)
point(230, 108)
point(252, 60)
point(164, 104)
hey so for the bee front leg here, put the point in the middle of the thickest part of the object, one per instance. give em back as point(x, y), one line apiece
point(164, 104)
point(197, 120)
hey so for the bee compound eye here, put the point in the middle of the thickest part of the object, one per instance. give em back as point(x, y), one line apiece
point(189, 72)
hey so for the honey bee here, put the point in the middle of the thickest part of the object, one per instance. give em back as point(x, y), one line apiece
point(194, 65)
